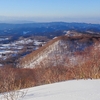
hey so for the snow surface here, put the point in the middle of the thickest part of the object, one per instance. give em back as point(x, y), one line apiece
point(37, 42)
point(5, 51)
point(69, 90)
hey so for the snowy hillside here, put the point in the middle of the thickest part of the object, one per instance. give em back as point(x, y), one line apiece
point(69, 90)
point(58, 48)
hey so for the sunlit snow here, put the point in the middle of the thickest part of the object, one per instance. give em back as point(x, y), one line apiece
point(69, 90)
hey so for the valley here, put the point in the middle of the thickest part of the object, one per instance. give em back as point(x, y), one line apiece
point(18, 40)
point(29, 59)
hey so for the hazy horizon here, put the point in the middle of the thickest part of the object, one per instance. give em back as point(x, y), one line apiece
point(50, 11)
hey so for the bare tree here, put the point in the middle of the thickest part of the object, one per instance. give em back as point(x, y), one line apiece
point(10, 88)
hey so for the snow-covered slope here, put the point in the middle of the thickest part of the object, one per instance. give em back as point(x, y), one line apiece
point(69, 90)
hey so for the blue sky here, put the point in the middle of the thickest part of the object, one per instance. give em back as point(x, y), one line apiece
point(51, 10)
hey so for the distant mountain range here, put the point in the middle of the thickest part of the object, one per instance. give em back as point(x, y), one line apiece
point(51, 29)
point(60, 25)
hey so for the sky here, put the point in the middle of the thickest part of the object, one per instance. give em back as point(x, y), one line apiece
point(50, 10)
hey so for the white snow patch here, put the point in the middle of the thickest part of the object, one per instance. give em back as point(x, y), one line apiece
point(24, 41)
point(2, 39)
point(37, 42)
point(54, 37)
point(5, 51)
point(69, 90)
point(1, 65)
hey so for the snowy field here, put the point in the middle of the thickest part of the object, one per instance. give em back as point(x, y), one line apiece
point(69, 90)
